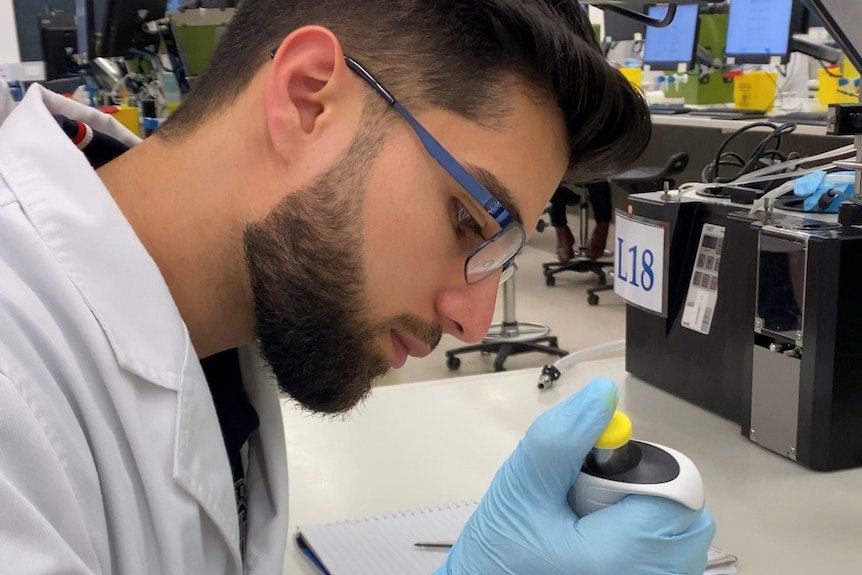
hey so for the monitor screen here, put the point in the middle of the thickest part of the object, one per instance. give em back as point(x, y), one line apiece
point(665, 48)
point(758, 30)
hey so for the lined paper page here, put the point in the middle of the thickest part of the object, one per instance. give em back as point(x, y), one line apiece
point(385, 545)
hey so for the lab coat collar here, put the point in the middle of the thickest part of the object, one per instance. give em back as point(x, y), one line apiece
point(82, 225)
point(90, 238)
point(93, 242)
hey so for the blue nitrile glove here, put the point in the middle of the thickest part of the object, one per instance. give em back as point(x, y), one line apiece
point(812, 186)
point(524, 526)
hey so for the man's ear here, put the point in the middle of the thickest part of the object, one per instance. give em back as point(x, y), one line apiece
point(307, 86)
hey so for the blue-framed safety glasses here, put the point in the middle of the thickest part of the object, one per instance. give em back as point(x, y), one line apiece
point(498, 251)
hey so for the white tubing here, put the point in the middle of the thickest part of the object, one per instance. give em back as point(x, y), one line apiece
point(793, 163)
point(695, 186)
point(760, 202)
point(588, 353)
point(762, 175)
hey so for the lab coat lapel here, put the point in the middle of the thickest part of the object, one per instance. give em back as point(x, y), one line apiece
point(201, 466)
point(200, 461)
point(267, 470)
point(142, 326)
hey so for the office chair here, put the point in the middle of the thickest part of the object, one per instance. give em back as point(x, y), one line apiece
point(541, 224)
point(651, 178)
point(638, 180)
point(509, 337)
point(581, 263)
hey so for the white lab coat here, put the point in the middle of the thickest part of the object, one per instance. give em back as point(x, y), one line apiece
point(111, 456)
point(6, 101)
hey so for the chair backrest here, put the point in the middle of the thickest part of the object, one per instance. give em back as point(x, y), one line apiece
point(652, 178)
point(675, 164)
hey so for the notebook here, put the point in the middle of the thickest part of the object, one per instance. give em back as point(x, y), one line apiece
point(385, 545)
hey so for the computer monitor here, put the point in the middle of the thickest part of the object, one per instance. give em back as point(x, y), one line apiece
point(666, 48)
point(813, 20)
point(122, 27)
point(59, 41)
point(619, 28)
point(758, 31)
point(28, 15)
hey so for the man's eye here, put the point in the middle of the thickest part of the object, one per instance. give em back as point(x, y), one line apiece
point(465, 224)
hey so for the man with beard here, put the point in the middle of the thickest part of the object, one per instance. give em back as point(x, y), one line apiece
point(346, 182)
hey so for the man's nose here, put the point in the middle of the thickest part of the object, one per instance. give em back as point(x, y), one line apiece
point(467, 310)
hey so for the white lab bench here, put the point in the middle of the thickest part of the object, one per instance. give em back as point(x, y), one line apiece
point(728, 126)
point(422, 444)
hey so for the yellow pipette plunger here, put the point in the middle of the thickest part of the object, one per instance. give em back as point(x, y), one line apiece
point(619, 466)
point(609, 455)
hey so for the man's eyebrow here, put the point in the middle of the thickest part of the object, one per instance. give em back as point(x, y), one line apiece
point(500, 192)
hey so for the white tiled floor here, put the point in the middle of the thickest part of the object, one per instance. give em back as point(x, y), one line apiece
point(563, 308)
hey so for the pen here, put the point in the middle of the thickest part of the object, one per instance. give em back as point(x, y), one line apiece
point(438, 545)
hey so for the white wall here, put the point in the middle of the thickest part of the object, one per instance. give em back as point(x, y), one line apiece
point(8, 34)
point(597, 16)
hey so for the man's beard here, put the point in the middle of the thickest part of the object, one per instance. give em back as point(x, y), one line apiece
point(307, 275)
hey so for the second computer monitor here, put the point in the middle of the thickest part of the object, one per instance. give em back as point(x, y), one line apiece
point(758, 31)
point(620, 28)
point(666, 48)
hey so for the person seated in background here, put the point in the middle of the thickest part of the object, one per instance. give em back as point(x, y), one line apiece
point(600, 200)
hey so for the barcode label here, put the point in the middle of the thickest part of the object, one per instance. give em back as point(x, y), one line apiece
point(707, 319)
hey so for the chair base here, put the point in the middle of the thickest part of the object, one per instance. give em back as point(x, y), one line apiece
point(592, 297)
point(507, 339)
point(580, 264)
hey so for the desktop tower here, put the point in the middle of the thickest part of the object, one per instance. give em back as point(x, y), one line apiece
point(775, 350)
point(802, 382)
point(701, 365)
point(59, 41)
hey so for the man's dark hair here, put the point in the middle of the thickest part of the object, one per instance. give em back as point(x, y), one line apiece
point(460, 55)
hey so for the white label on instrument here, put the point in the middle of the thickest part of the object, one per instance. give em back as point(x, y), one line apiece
point(702, 294)
point(639, 267)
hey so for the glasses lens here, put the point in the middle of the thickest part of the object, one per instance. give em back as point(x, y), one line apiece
point(494, 253)
point(508, 273)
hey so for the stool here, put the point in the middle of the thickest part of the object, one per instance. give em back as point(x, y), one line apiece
point(509, 337)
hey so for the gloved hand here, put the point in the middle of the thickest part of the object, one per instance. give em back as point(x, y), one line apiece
point(524, 526)
point(813, 186)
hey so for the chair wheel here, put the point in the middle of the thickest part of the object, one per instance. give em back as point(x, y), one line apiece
point(593, 299)
point(453, 362)
point(540, 226)
point(550, 281)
